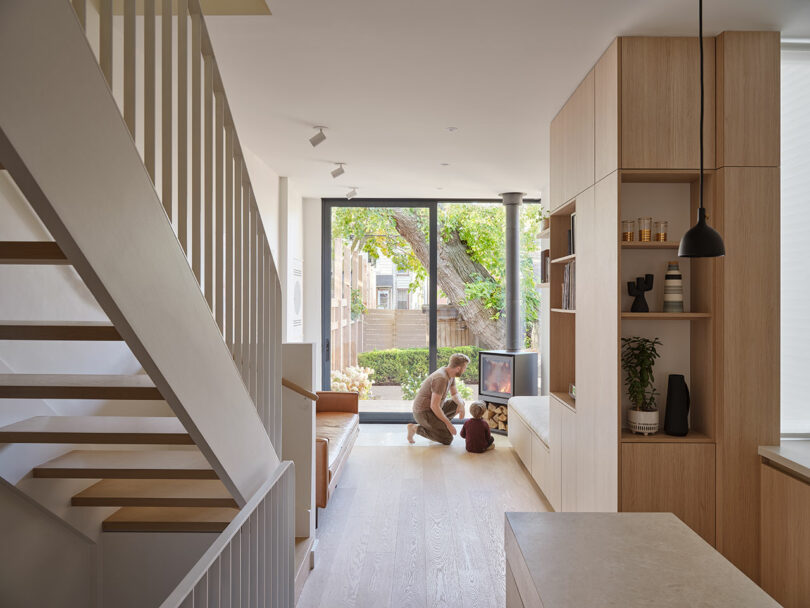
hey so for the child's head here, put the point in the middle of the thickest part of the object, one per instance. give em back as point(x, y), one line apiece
point(477, 409)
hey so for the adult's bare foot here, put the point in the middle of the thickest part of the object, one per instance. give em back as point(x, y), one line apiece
point(411, 432)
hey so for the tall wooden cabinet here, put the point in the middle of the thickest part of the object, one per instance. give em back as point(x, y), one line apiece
point(624, 146)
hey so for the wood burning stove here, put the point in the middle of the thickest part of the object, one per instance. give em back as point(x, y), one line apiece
point(506, 373)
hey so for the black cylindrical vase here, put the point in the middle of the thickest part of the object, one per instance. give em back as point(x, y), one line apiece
point(676, 419)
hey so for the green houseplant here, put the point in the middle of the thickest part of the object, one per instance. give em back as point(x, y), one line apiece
point(638, 359)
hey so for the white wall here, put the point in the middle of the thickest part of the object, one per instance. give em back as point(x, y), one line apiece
point(141, 569)
point(291, 259)
point(43, 561)
point(312, 277)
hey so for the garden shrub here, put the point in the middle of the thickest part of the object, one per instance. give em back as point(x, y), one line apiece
point(403, 365)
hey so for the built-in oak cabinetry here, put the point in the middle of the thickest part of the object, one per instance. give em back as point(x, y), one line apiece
point(623, 146)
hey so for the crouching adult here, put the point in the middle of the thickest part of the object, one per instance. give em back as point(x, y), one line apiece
point(432, 410)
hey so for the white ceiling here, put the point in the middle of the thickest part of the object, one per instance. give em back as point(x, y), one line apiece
point(388, 77)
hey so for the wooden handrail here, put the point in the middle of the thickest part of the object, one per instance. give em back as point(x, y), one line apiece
point(299, 389)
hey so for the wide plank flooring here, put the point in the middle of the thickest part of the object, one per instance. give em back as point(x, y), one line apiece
point(418, 526)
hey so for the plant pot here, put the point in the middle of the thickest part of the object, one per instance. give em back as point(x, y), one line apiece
point(642, 421)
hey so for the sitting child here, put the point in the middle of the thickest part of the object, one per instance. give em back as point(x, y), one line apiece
point(476, 430)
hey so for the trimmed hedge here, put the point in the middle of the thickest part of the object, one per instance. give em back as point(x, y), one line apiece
point(396, 364)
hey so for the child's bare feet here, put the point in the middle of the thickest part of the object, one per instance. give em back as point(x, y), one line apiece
point(411, 432)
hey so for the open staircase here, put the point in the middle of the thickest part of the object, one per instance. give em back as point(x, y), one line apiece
point(167, 237)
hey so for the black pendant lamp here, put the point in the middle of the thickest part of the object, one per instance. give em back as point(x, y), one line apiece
point(701, 240)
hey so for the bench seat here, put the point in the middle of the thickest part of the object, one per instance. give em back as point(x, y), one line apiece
point(337, 424)
point(534, 412)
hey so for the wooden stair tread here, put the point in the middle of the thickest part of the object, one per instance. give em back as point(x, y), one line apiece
point(169, 519)
point(77, 386)
point(127, 464)
point(38, 330)
point(155, 493)
point(31, 252)
point(97, 429)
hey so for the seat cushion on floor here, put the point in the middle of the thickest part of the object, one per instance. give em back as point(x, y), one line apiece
point(534, 411)
point(335, 427)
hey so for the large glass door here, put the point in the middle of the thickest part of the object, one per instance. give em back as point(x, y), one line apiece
point(390, 317)
point(379, 309)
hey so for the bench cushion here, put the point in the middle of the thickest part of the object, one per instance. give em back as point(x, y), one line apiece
point(335, 427)
point(534, 412)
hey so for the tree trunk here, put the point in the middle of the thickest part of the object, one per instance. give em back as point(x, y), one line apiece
point(455, 269)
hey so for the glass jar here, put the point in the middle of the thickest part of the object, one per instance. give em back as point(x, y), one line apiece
point(645, 229)
point(628, 230)
point(661, 230)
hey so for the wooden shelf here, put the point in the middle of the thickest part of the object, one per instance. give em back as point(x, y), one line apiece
point(661, 437)
point(544, 285)
point(563, 260)
point(565, 399)
point(650, 245)
point(544, 234)
point(665, 316)
point(567, 311)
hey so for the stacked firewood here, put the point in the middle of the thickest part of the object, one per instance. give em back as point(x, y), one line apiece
point(497, 416)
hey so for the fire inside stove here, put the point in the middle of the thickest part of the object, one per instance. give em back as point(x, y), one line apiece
point(496, 376)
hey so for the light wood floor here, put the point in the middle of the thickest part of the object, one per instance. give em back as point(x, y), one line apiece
point(418, 525)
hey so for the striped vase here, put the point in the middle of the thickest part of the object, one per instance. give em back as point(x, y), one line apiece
point(673, 288)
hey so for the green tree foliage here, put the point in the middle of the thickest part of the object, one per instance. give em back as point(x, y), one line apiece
point(481, 227)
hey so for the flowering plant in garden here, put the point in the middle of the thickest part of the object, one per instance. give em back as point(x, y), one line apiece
point(353, 379)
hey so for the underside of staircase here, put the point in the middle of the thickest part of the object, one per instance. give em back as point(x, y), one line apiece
point(157, 490)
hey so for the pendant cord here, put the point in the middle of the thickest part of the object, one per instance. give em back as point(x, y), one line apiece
point(700, 38)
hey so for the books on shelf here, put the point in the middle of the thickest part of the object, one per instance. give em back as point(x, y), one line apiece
point(569, 286)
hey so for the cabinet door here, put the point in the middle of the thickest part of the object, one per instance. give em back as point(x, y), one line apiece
point(674, 478)
point(554, 483)
point(568, 500)
point(520, 438)
point(572, 145)
point(661, 103)
point(539, 462)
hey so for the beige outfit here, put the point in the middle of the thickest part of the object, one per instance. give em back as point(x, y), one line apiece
point(430, 425)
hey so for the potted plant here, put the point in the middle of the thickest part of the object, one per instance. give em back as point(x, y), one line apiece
point(638, 359)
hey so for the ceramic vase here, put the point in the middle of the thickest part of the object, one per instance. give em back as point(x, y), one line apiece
point(673, 288)
point(676, 418)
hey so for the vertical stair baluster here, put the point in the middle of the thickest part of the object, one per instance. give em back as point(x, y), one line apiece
point(254, 298)
point(105, 40)
point(229, 264)
point(208, 146)
point(166, 108)
point(238, 253)
point(80, 6)
point(219, 240)
point(182, 123)
point(196, 156)
point(149, 87)
point(245, 276)
point(129, 66)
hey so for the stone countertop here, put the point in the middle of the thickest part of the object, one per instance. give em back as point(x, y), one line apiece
point(793, 454)
point(625, 560)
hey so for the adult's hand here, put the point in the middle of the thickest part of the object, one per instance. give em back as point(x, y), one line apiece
point(452, 428)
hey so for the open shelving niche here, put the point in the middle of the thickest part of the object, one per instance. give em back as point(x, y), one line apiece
point(687, 338)
point(562, 325)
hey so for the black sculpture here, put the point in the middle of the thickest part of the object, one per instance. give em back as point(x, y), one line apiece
point(637, 290)
point(676, 419)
